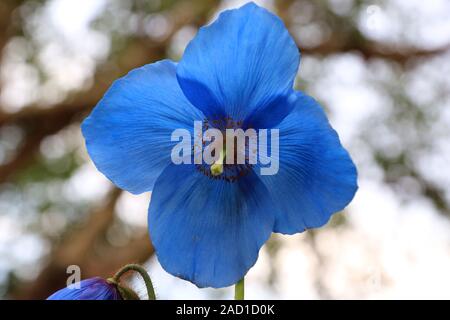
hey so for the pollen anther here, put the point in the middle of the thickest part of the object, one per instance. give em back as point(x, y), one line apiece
point(217, 167)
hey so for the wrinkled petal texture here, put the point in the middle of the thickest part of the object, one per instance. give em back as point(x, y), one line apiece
point(316, 176)
point(204, 229)
point(208, 231)
point(240, 65)
point(128, 133)
point(90, 289)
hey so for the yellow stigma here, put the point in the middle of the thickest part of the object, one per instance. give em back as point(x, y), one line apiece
point(217, 167)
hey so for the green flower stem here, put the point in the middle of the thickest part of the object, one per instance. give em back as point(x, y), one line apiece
point(239, 290)
point(144, 275)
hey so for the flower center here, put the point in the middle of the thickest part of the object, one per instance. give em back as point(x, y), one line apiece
point(224, 168)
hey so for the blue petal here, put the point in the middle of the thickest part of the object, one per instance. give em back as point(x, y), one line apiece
point(205, 230)
point(316, 176)
point(90, 289)
point(239, 65)
point(128, 133)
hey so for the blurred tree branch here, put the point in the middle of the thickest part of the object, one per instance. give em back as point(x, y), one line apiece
point(7, 7)
point(38, 122)
point(78, 245)
point(373, 50)
point(78, 248)
point(346, 37)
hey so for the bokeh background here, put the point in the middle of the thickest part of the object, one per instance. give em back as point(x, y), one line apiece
point(380, 68)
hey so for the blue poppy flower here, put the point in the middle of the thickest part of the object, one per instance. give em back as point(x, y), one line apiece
point(89, 289)
point(206, 228)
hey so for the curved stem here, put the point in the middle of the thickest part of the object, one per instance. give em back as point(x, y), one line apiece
point(239, 290)
point(144, 275)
